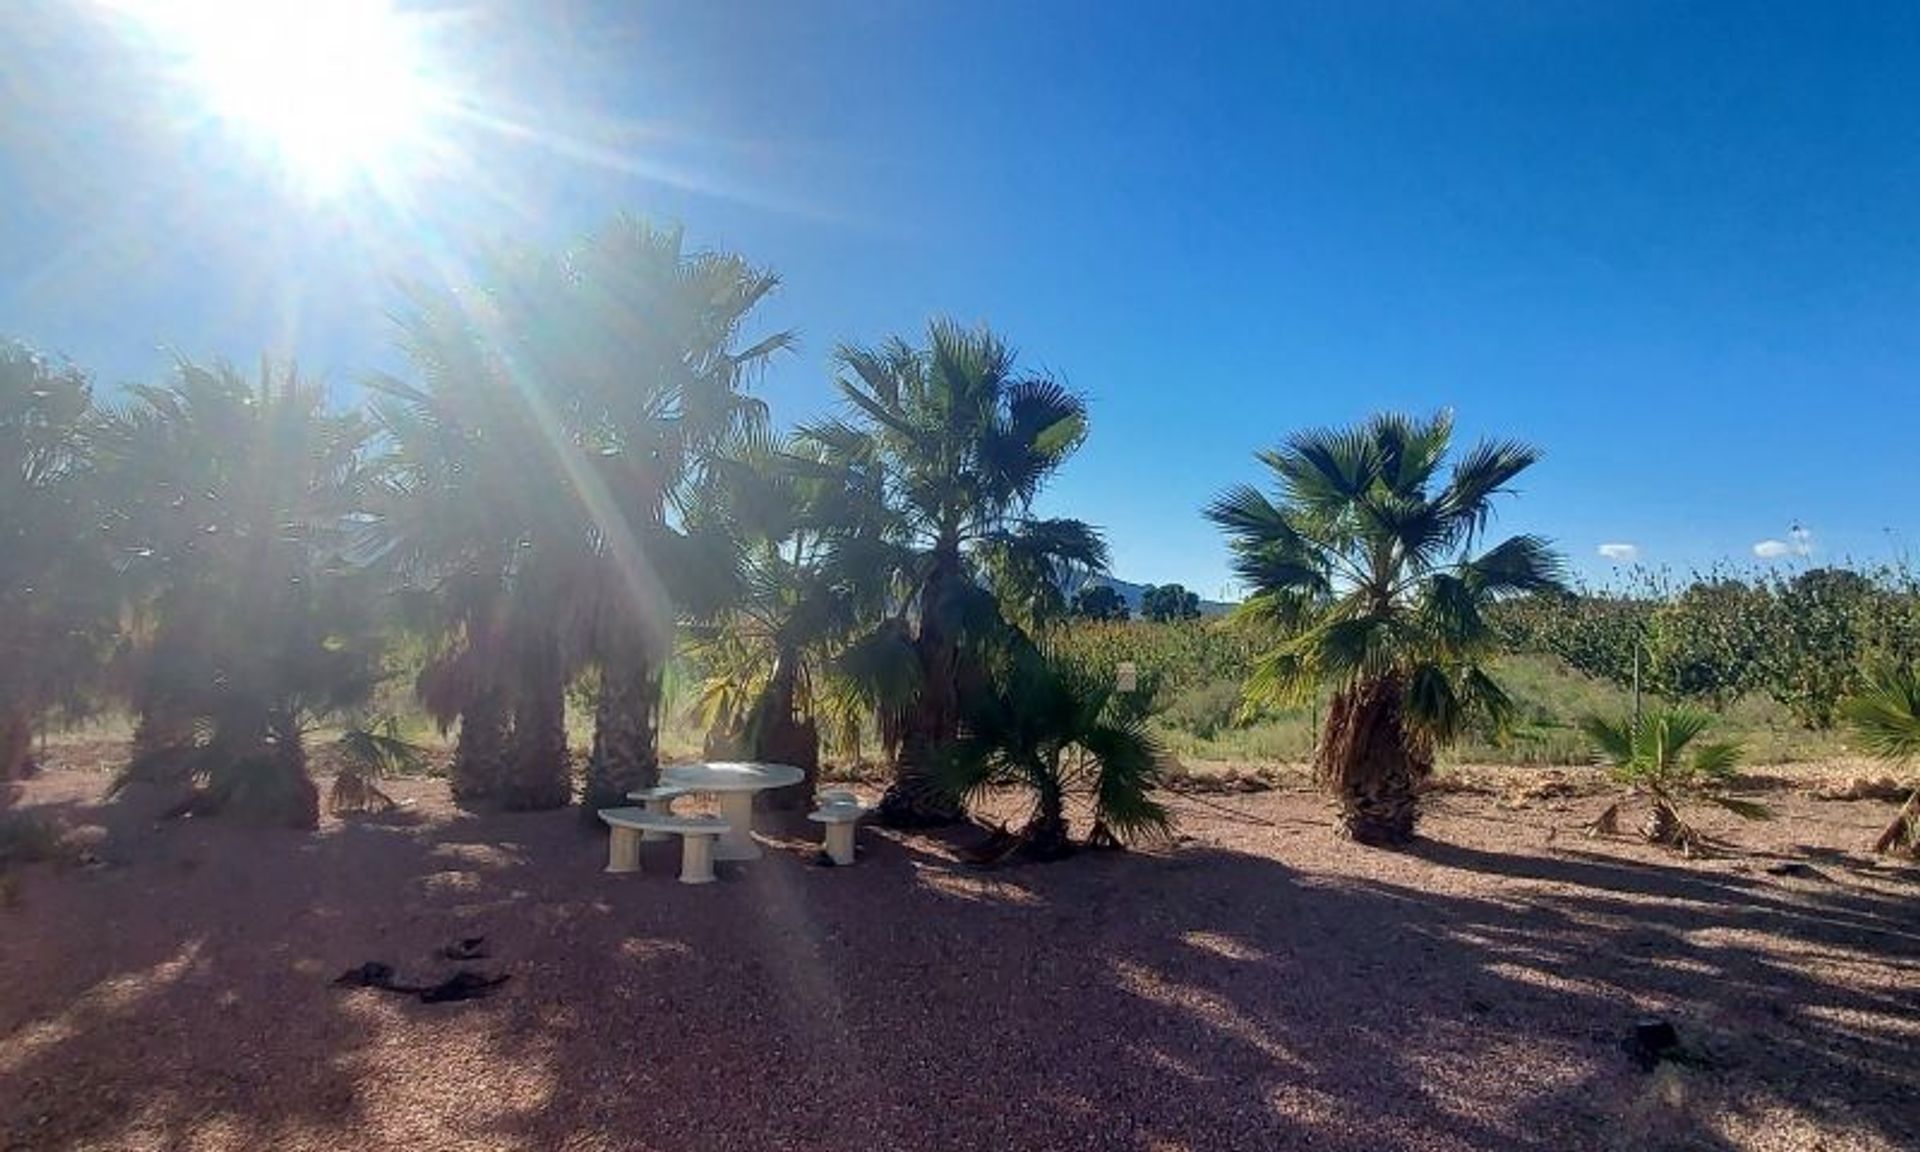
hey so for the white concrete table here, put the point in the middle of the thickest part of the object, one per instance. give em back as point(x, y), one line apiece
point(734, 782)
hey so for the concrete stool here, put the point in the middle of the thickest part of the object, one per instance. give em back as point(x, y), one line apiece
point(840, 821)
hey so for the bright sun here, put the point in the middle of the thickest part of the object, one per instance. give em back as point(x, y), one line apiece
point(334, 88)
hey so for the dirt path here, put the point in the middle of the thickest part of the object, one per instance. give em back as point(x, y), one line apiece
point(1256, 986)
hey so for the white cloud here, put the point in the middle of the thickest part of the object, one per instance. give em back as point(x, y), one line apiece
point(1799, 542)
point(1620, 553)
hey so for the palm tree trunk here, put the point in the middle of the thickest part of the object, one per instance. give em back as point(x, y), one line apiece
point(626, 744)
point(779, 735)
point(1046, 834)
point(915, 798)
point(158, 734)
point(16, 743)
point(1372, 765)
point(258, 772)
point(480, 755)
point(538, 774)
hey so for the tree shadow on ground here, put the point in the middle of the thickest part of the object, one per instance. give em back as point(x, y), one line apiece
point(177, 993)
point(1199, 998)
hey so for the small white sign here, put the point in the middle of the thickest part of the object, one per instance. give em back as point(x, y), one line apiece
point(1127, 677)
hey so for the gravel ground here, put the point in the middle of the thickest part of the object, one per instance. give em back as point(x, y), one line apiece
point(1258, 985)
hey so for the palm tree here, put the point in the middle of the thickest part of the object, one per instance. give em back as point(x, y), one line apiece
point(812, 540)
point(1364, 569)
point(481, 522)
point(1057, 731)
point(1885, 718)
point(960, 441)
point(1657, 758)
point(58, 607)
point(649, 337)
point(570, 406)
point(236, 505)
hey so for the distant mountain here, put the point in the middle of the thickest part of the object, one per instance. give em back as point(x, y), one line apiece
point(1131, 592)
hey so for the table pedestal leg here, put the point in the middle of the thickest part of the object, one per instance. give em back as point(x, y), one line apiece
point(737, 843)
point(840, 843)
point(623, 850)
point(696, 859)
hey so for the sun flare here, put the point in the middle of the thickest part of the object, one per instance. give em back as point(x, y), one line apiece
point(336, 91)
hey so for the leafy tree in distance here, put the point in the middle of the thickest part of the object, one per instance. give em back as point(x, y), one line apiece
point(1099, 602)
point(1363, 570)
point(1168, 602)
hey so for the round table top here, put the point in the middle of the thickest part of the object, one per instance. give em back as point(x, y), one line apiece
point(730, 776)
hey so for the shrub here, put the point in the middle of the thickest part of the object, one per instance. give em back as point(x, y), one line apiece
point(1658, 759)
point(1886, 720)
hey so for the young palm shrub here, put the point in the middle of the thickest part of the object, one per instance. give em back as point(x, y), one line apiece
point(369, 754)
point(1885, 718)
point(960, 442)
point(1364, 570)
point(1056, 731)
point(1660, 761)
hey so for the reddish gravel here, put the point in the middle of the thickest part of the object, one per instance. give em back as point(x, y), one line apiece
point(1258, 986)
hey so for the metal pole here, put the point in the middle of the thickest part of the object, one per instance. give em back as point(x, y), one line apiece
point(1636, 687)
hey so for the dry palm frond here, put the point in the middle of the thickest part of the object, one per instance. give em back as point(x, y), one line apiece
point(1903, 835)
point(371, 752)
point(999, 847)
point(353, 793)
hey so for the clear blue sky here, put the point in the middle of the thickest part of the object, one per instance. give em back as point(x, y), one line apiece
point(1675, 245)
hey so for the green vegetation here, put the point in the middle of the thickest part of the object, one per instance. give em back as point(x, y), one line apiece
point(1192, 672)
point(811, 539)
point(1806, 639)
point(567, 409)
point(570, 525)
point(1166, 602)
point(1362, 572)
point(1099, 602)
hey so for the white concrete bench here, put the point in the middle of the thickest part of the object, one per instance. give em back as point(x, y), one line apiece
point(658, 801)
point(840, 819)
point(697, 835)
